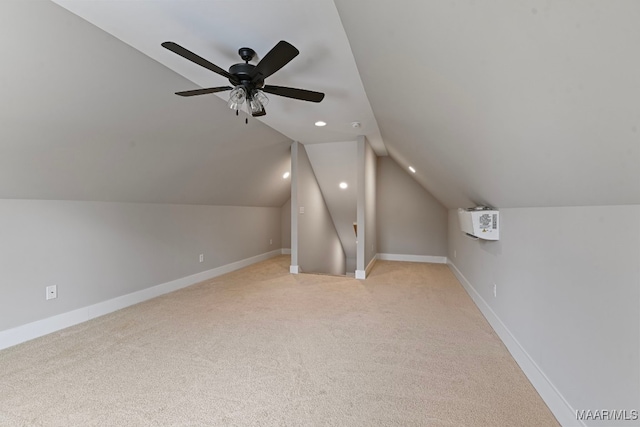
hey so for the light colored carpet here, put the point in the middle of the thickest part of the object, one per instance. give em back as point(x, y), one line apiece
point(261, 347)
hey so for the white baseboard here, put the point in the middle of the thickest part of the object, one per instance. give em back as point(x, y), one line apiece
point(23, 333)
point(286, 251)
point(371, 264)
point(362, 274)
point(413, 258)
point(558, 405)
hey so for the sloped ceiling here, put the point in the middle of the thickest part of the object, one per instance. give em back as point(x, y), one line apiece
point(87, 117)
point(216, 29)
point(511, 104)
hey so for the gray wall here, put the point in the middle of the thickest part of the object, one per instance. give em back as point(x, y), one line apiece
point(410, 220)
point(366, 246)
point(285, 225)
point(319, 249)
point(334, 162)
point(568, 290)
point(95, 251)
point(370, 164)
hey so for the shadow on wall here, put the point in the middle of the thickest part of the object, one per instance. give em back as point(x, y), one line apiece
point(319, 249)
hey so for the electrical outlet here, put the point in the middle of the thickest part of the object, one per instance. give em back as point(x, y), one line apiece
point(301, 209)
point(201, 259)
point(52, 292)
point(271, 241)
point(455, 253)
point(495, 290)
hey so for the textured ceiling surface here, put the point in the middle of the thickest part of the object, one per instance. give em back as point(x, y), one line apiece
point(504, 103)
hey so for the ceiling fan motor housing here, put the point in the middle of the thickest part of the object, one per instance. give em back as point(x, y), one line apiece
point(244, 74)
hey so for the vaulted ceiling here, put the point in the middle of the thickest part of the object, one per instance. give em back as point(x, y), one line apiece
point(87, 117)
point(510, 104)
point(505, 103)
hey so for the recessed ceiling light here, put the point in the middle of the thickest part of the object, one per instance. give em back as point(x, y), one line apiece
point(286, 175)
point(320, 123)
point(412, 169)
point(343, 185)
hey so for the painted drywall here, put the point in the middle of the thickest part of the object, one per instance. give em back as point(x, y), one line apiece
point(513, 104)
point(88, 117)
point(318, 248)
point(410, 220)
point(96, 251)
point(333, 163)
point(294, 267)
point(370, 164)
point(285, 225)
point(209, 29)
point(366, 207)
point(568, 291)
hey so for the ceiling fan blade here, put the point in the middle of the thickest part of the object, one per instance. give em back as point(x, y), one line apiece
point(204, 91)
point(187, 54)
point(291, 92)
point(262, 112)
point(277, 58)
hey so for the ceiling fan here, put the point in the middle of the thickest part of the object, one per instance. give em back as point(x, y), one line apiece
point(248, 79)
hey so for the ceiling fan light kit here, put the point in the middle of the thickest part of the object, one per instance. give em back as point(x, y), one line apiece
point(237, 97)
point(248, 79)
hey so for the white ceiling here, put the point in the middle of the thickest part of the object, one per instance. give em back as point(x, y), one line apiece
point(504, 103)
point(216, 29)
point(86, 117)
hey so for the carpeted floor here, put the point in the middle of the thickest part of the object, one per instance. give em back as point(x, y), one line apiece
point(261, 347)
